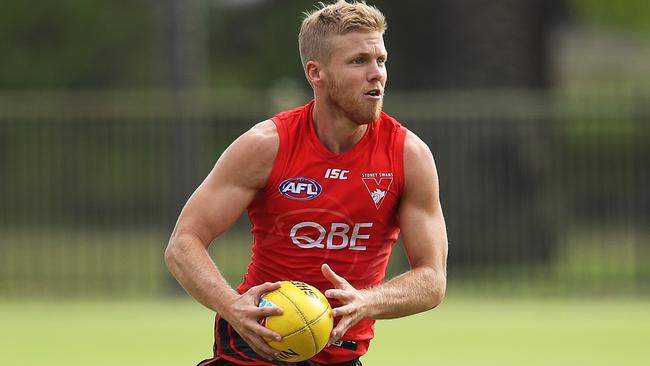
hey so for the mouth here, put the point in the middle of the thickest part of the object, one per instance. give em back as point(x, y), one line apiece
point(374, 93)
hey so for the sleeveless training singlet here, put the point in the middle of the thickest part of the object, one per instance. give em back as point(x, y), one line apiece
point(320, 207)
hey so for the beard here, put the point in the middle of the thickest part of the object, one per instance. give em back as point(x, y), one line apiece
point(356, 109)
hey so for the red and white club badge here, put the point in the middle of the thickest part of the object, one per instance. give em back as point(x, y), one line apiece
point(377, 185)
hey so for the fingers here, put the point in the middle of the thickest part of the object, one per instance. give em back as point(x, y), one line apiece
point(261, 347)
point(330, 275)
point(350, 298)
point(266, 333)
point(256, 292)
point(255, 334)
point(341, 328)
point(344, 297)
point(343, 311)
point(259, 290)
point(267, 311)
point(341, 295)
point(246, 315)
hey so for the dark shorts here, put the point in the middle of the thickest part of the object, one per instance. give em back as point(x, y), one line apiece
point(230, 349)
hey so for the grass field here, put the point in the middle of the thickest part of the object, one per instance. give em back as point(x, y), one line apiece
point(462, 331)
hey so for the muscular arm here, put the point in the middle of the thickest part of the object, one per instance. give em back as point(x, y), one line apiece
point(238, 175)
point(425, 240)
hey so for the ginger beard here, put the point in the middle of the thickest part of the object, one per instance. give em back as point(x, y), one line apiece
point(356, 107)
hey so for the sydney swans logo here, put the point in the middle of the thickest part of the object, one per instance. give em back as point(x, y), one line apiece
point(377, 185)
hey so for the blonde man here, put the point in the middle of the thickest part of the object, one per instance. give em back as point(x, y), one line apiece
point(328, 188)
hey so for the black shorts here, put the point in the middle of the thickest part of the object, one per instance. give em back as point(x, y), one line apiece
point(230, 349)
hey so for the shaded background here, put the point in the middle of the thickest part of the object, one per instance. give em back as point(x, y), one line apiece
point(537, 112)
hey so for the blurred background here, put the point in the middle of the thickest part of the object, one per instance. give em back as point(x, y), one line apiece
point(537, 113)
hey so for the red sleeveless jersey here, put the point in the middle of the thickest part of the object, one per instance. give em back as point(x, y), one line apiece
point(320, 207)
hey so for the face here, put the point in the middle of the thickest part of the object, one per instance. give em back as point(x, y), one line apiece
point(355, 76)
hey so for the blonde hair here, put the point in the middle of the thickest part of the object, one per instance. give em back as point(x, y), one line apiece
point(319, 25)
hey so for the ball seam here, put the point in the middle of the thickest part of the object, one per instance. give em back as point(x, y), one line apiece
point(307, 322)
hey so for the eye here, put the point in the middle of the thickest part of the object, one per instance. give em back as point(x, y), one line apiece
point(381, 61)
point(359, 61)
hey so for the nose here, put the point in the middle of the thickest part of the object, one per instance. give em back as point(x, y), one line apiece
point(376, 72)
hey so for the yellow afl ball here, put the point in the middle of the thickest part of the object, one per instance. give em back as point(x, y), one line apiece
point(305, 324)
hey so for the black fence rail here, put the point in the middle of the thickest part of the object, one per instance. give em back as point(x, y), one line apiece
point(542, 193)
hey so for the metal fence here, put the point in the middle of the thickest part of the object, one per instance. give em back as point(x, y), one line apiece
point(543, 193)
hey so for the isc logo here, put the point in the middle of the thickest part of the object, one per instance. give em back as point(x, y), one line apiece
point(311, 234)
point(300, 188)
point(333, 173)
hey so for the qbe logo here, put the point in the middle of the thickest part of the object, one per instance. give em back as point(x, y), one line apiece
point(300, 188)
point(338, 236)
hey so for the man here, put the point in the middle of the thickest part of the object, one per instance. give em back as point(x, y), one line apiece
point(328, 188)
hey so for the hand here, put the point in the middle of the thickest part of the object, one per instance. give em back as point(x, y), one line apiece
point(244, 315)
point(352, 299)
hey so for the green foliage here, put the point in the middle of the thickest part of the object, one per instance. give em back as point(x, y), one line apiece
point(632, 15)
point(253, 46)
point(75, 43)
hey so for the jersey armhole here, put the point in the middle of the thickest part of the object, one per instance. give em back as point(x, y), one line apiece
point(400, 138)
point(280, 157)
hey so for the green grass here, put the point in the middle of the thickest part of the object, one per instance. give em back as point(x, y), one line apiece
point(104, 333)
point(462, 331)
point(518, 332)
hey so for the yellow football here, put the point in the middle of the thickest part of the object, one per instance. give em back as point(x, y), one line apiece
point(305, 324)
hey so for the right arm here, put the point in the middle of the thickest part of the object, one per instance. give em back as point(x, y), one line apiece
point(241, 171)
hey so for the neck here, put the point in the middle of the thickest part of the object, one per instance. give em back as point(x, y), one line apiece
point(334, 130)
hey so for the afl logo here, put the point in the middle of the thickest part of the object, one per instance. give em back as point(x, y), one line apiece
point(300, 188)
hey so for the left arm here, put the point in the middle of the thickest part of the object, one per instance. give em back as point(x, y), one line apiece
point(425, 239)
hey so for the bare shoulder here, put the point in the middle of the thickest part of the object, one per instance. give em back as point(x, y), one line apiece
point(420, 176)
point(417, 155)
point(257, 145)
point(265, 130)
point(249, 159)
point(262, 138)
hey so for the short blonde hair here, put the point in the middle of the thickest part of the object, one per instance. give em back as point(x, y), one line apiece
point(338, 18)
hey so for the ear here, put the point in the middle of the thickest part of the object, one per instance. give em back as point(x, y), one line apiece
point(314, 72)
